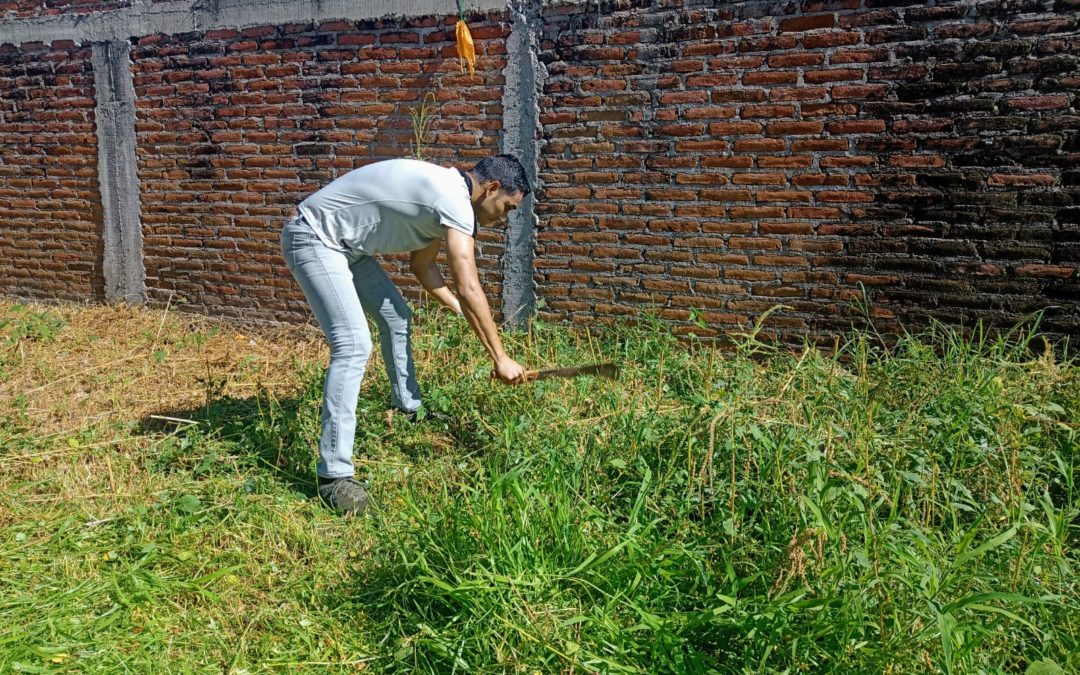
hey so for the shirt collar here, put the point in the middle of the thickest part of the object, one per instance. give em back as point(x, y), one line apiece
point(468, 186)
point(468, 182)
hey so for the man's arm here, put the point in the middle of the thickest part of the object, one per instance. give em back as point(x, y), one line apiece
point(422, 264)
point(461, 254)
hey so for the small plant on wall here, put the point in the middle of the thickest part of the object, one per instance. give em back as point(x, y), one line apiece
point(421, 124)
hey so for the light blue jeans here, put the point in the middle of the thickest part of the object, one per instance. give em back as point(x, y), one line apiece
point(341, 288)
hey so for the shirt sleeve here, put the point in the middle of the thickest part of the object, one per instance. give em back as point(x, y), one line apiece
point(456, 212)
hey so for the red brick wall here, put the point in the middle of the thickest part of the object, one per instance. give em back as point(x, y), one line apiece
point(237, 127)
point(732, 158)
point(50, 207)
point(710, 161)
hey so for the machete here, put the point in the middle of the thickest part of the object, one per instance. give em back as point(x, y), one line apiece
point(608, 370)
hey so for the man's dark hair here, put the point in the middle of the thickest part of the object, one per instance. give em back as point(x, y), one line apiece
point(506, 169)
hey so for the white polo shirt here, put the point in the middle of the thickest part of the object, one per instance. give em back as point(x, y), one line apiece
point(394, 206)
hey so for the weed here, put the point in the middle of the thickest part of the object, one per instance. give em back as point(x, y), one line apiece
point(19, 324)
point(421, 123)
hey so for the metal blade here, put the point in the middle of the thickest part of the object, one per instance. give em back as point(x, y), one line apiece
point(608, 370)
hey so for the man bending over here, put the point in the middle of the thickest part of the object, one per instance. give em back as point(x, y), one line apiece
point(394, 206)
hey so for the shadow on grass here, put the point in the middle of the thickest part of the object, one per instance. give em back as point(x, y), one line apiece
point(281, 434)
point(258, 431)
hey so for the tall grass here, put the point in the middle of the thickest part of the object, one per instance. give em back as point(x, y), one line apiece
point(907, 509)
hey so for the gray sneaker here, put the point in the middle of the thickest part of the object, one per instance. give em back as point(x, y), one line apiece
point(347, 496)
point(423, 413)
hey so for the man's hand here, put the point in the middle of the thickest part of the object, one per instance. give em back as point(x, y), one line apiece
point(461, 255)
point(509, 371)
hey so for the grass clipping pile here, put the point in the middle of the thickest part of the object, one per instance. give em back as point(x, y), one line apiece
point(63, 368)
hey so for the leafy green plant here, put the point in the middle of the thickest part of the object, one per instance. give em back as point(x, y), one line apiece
point(22, 323)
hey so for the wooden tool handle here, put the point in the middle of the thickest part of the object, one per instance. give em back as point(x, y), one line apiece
point(530, 375)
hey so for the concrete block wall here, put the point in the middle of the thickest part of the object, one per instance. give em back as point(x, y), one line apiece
point(700, 160)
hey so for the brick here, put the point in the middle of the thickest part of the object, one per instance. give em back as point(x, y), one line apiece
point(1048, 271)
point(681, 129)
point(785, 227)
point(857, 127)
point(922, 126)
point(847, 162)
point(726, 195)
point(844, 197)
point(872, 279)
point(684, 97)
point(742, 61)
point(1020, 180)
point(825, 40)
point(757, 145)
point(771, 291)
point(766, 111)
point(1037, 102)
point(845, 56)
point(603, 85)
point(769, 43)
point(695, 272)
point(794, 128)
point(826, 109)
point(701, 242)
point(797, 59)
point(1042, 26)
point(859, 92)
point(784, 162)
point(714, 112)
point(722, 259)
point(713, 80)
point(835, 75)
point(734, 128)
point(918, 161)
point(806, 23)
point(727, 162)
point(759, 179)
point(770, 77)
point(737, 95)
point(757, 243)
point(698, 212)
point(701, 146)
point(896, 34)
point(781, 261)
point(670, 194)
point(783, 196)
point(815, 246)
point(819, 145)
point(701, 179)
point(978, 269)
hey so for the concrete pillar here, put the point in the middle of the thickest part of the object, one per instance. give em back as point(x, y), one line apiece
point(521, 120)
point(125, 276)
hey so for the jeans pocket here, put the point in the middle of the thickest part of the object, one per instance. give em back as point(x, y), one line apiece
point(296, 237)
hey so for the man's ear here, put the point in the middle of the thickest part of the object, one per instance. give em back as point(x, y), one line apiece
point(492, 188)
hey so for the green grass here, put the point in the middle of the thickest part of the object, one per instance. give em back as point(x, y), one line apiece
point(907, 509)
